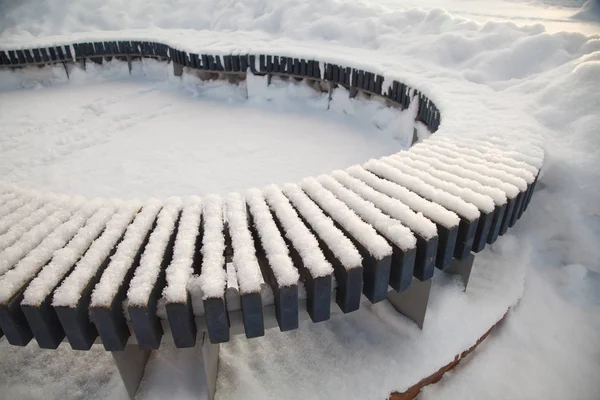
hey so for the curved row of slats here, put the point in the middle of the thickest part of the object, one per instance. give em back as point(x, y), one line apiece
point(76, 269)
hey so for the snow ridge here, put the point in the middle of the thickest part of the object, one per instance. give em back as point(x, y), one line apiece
point(429, 209)
point(399, 234)
point(449, 164)
point(10, 256)
point(65, 258)
point(340, 245)
point(364, 233)
point(275, 248)
point(490, 153)
point(10, 206)
point(249, 275)
point(25, 270)
point(213, 277)
point(181, 268)
point(18, 214)
point(69, 292)
point(122, 260)
point(478, 158)
point(476, 164)
point(26, 222)
point(147, 272)
point(482, 202)
point(447, 200)
point(301, 237)
point(393, 207)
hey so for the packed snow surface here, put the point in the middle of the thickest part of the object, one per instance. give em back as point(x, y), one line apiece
point(164, 137)
point(484, 71)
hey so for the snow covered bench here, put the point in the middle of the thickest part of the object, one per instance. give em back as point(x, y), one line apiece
point(125, 273)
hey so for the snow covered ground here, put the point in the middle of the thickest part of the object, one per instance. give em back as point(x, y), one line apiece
point(543, 78)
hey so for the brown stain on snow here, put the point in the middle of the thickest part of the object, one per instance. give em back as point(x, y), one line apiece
point(413, 391)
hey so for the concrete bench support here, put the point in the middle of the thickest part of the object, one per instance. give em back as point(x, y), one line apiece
point(131, 364)
point(132, 361)
point(412, 303)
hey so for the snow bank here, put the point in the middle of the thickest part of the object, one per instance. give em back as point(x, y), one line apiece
point(181, 268)
point(297, 233)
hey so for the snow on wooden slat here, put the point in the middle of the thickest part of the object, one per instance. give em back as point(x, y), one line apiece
point(451, 166)
point(298, 234)
point(392, 229)
point(65, 258)
point(275, 248)
point(181, 268)
point(249, 275)
point(482, 202)
point(147, 272)
point(364, 233)
point(69, 292)
point(441, 171)
point(479, 165)
point(10, 206)
point(445, 199)
point(502, 163)
point(10, 256)
point(26, 222)
point(28, 267)
point(431, 210)
point(213, 277)
point(490, 153)
point(122, 260)
point(393, 207)
point(340, 245)
point(531, 153)
point(19, 213)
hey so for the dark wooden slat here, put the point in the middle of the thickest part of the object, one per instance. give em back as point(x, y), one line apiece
point(349, 280)
point(510, 208)
point(286, 297)
point(465, 238)
point(425, 257)
point(13, 322)
point(252, 312)
point(146, 324)
point(518, 205)
point(318, 289)
point(483, 230)
point(496, 223)
point(217, 319)
point(110, 321)
point(446, 245)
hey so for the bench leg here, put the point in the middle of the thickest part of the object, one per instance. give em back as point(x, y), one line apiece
point(131, 363)
point(462, 268)
point(210, 356)
point(177, 69)
point(412, 303)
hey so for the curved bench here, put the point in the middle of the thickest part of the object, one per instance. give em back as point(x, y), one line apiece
point(77, 269)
